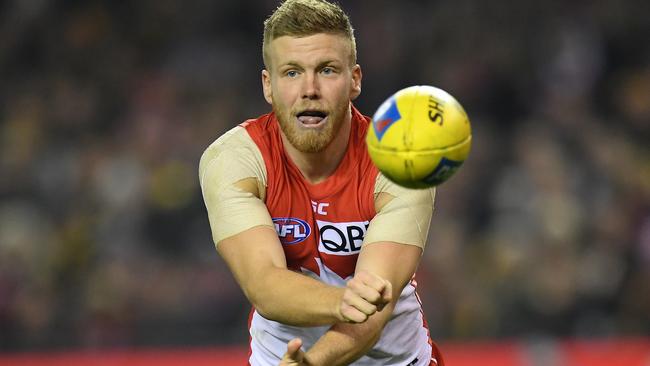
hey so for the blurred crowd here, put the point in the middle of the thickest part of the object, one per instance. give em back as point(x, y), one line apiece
point(106, 107)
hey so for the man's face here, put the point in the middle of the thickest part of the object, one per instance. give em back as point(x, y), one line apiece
point(310, 84)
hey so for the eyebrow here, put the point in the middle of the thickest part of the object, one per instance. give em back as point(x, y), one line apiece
point(320, 65)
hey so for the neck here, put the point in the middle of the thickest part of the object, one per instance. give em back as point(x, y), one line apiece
point(318, 166)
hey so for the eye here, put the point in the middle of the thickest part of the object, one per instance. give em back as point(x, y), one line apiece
point(291, 73)
point(327, 70)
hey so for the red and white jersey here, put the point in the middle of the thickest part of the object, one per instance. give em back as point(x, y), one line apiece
point(322, 228)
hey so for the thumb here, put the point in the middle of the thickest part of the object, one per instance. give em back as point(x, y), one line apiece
point(293, 348)
point(294, 355)
point(386, 295)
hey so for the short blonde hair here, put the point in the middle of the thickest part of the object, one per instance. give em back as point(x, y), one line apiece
point(301, 18)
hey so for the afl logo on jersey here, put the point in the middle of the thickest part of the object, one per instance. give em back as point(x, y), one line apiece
point(291, 230)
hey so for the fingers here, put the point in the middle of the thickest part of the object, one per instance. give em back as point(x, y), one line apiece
point(374, 288)
point(356, 309)
point(370, 279)
point(386, 296)
point(362, 296)
point(365, 294)
point(293, 348)
point(294, 355)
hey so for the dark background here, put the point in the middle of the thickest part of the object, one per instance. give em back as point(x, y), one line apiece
point(106, 107)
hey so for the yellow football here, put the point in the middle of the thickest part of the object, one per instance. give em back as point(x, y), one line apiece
point(419, 137)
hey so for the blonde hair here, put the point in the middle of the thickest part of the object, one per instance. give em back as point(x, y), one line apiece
point(301, 18)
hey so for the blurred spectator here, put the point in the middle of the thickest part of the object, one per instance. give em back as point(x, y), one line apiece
point(107, 106)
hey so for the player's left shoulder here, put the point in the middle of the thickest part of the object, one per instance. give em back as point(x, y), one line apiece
point(387, 190)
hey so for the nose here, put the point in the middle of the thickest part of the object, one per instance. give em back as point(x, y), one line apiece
point(311, 89)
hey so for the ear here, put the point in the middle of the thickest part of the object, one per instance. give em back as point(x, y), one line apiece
point(356, 82)
point(266, 86)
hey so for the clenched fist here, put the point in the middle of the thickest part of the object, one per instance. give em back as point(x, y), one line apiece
point(364, 295)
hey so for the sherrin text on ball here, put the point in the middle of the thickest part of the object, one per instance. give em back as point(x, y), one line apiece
point(419, 137)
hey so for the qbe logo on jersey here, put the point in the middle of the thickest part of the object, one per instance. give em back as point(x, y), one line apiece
point(341, 238)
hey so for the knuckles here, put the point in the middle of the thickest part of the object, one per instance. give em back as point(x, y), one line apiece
point(365, 294)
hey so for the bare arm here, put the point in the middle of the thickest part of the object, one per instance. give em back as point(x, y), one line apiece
point(257, 261)
point(344, 343)
point(387, 259)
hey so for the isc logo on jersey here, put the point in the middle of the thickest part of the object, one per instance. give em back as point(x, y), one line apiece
point(291, 230)
point(341, 238)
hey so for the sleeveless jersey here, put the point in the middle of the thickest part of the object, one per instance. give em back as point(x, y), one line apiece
point(321, 228)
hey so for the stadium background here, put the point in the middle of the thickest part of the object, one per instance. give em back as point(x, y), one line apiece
point(541, 240)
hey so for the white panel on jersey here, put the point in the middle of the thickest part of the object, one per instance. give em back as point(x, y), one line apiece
point(341, 238)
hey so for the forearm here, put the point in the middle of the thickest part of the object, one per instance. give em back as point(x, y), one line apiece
point(344, 343)
point(295, 299)
point(257, 261)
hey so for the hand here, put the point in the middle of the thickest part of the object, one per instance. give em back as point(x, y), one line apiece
point(364, 295)
point(294, 355)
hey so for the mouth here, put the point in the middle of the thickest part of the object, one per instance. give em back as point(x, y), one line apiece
point(311, 117)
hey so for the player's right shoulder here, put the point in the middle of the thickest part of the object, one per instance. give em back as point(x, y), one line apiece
point(234, 155)
point(232, 139)
point(233, 184)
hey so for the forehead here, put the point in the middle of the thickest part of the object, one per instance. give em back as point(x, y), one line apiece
point(310, 49)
